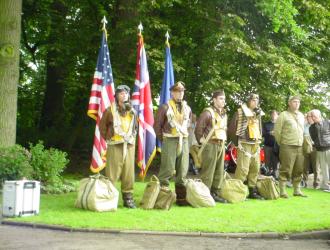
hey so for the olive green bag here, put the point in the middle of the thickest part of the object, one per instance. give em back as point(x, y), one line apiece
point(165, 199)
point(97, 193)
point(233, 190)
point(150, 194)
point(267, 188)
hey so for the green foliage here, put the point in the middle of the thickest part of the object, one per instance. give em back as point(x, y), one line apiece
point(48, 164)
point(272, 47)
point(282, 14)
point(14, 163)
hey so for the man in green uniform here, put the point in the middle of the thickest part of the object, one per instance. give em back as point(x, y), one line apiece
point(289, 134)
point(248, 131)
point(211, 131)
point(171, 127)
point(118, 127)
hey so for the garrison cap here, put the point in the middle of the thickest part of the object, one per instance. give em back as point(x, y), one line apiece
point(219, 92)
point(178, 86)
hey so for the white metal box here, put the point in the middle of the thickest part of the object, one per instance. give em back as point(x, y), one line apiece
point(21, 198)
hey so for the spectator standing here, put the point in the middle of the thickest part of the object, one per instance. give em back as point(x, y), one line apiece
point(320, 134)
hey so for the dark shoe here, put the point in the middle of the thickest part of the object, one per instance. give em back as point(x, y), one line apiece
point(181, 193)
point(253, 194)
point(216, 198)
point(128, 200)
point(300, 194)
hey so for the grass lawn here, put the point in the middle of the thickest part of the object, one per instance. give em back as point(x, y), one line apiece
point(292, 215)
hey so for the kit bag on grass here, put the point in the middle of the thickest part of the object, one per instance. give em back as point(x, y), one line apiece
point(150, 194)
point(233, 190)
point(267, 188)
point(198, 194)
point(165, 199)
point(97, 193)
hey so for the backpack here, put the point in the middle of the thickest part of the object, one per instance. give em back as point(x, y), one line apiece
point(97, 193)
point(150, 194)
point(233, 190)
point(165, 199)
point(267, 188)
point(198, 194)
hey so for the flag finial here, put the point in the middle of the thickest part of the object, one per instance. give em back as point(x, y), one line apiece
point(140, 28)
point(167, 35)
point(104, 22)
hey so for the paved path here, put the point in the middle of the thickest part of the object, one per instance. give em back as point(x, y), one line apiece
point(12, 237)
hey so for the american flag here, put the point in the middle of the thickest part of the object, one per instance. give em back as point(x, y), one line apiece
point(168, 81)
point(102, 97)
point(142, 103)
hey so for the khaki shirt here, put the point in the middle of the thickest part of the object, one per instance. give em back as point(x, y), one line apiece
point(289, 128)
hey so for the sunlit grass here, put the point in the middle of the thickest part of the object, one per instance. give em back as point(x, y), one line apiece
point(284, 215)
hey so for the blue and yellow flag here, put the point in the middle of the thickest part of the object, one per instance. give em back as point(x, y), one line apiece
point(168, 81)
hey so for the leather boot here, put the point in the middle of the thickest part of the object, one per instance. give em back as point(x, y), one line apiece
point(253, 194)
point(283, 193)
point(181, 193)
point(296, 189)
point(128, 200)
point(216, 198)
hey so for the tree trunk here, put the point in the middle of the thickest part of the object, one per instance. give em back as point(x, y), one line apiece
point(10, 30)
point(52, 110)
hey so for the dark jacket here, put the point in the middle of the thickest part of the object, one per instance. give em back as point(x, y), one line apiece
point(320, 134)
point(267, 128)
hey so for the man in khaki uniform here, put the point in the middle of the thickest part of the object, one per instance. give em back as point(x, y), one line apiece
point(171, 127)
point(248, 130)
point(213, 121)
point(289, 134)
point(118, 127)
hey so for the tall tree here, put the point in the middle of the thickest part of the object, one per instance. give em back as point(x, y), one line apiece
point(10, 30)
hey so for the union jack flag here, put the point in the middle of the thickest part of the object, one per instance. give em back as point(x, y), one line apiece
point(142, 103)
point(102, 97)
point(168, 82)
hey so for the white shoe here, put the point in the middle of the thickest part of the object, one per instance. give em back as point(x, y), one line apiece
point(326, 190)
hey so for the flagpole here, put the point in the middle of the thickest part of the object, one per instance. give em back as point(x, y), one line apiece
point(167, 35)
point(140, 28)
point(104, 23)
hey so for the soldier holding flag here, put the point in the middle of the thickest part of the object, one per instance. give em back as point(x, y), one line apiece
point(171, 127)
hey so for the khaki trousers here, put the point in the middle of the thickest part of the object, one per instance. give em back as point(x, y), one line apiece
point(119, 168)
point(212, 172)
point(323, 158)
point(171, 161)
point(292, 164)
point(247, 166)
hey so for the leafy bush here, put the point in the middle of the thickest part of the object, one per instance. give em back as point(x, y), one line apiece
point(48, 164)
point(14, 163)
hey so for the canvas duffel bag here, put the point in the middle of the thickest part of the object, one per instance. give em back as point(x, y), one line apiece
point(150, 194)
point(198, 194)
point(97, 193)
point(267, 188)
point(165, 199)
point(233, 190)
